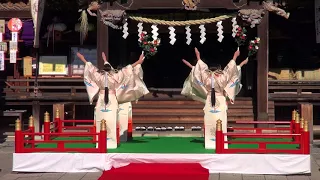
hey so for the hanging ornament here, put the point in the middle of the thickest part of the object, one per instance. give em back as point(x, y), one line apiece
point(234, 26)
point(14, 25)
point(125, 29)
point(154, 31)
point(188, 30)
point(140, 29)
point(172, 35)
point(220, 31)
point(202, 33)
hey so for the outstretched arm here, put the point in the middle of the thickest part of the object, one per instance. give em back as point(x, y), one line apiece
point(197, 53)
point(104, 57)
point(140, 61)
point(244, 62)
point(236, 55)
point(187, 63)
point(81, 57)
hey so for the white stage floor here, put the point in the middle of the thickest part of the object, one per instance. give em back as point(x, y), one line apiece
point(216, 163)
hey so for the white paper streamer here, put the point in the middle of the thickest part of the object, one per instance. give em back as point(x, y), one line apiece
point(172, 35)
point(202, 33)
point(125, 30)
point(2, 61)
point(234, 26)
point(140, 29)
point(220, 31)
point(188, 30)
point(1, 37)
point(14, 36)
point(154, 31)
point(13, 56)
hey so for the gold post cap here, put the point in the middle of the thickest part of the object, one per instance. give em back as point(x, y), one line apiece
point(103, 125)
point(219, 125)
point(57, 113)
point(306, 126)
point(301, 122)
point(31, 121)
point(46, 117)
point(297, 119)
point(294, 114)
point(18, 125)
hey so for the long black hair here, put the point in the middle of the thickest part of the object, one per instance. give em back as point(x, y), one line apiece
point(213, 68)
point(106, 68)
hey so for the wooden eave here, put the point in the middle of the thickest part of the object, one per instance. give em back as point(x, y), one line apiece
point(177, 4)
point(18, 10)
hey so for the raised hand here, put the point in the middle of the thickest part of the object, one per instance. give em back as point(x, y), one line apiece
point(244, 62)
point(81, 57)
point(236, 55)
point(187, 63)
point(197, 53)
point(104, 57)
point(140, 61)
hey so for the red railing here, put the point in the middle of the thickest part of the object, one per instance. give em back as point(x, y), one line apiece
point(298, 131)
point(27, 137)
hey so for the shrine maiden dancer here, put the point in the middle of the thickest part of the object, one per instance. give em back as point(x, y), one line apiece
point(113, 87)
point(125, 110)
point(213, 86)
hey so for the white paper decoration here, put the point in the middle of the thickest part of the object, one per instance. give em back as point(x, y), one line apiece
point(220, 31)
point(188, 37)
point(154, 31)
point(234, 26)
point(2, 64)
point(125, 30)
point(172, 35)
point(202, 33)
point(140, 29)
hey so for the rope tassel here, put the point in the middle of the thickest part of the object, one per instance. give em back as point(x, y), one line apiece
point(84, 26)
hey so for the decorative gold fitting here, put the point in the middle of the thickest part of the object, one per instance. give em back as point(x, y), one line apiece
point(306, 126)
point(301, 122)
point(103, 125)
point(57, 113)
point(294, 115)
point(31, 121)
point(18, 125)
point(219, 125)
point(46, 117)
point(297, 119)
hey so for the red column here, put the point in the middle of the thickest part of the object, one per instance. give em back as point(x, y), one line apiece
point(118, 133)
point(129, 129)
point(306, 138)
point(18, 137)
point(102, 144)
point(219, 138)
point(46, 126)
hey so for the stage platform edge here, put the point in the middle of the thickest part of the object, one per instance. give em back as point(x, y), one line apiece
point(216, 163)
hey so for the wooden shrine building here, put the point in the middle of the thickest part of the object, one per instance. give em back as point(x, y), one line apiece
point(163, 74)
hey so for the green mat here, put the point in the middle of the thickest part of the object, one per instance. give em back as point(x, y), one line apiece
point(190, 145)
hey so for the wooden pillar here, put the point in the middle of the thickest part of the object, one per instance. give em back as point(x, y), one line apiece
point(306, 111)
point(262, 69)
point(102, 38)
point(36, 115)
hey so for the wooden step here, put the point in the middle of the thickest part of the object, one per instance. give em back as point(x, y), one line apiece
point(187, 106)
point(185, 112)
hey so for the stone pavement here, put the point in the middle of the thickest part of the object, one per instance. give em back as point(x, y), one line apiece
point(7, 148)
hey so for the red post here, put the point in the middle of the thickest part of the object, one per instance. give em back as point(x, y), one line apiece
point(46, 125)
point(297, 127)
point(18, 137)
point(102, 144)
point(306, 138)
point(57, 122)
point(219, 138)
point(292, 122)
point(31, 129)
point(118, 133)
point(130, 129)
